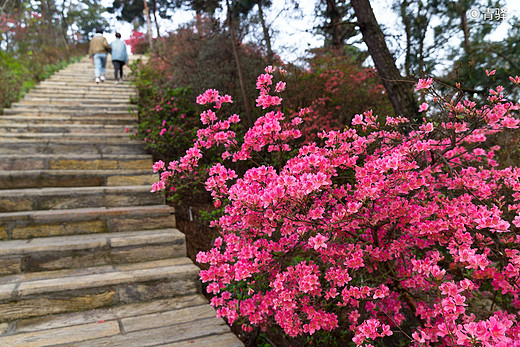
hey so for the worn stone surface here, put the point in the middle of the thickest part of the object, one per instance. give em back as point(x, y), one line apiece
point(3, 328)
point(91, 316)
point(224, 340)
point(70, 228)
point(171, 274)
point(112, 200)
point(151, 321)
point(41, 306)
point(146, 253)
point(67, 260)
point(136, 164)
point(156, 222)
point(10, 164)
point(15, 204)
point(10, 265)
point(163, 335)
point(3, 233)
point(126, 180)
point(136, 292)
point(70, 202)
point(155, 264)
point(147, 237)
point(63, 335)
point(72, 164)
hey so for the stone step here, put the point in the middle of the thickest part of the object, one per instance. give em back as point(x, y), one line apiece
point(81, 161)
point(71, 103)
point(85, 91)
point(33, 224)
point(17, 179)
point(59, 127)
point(59, 198)
point(75, 113)
point(71, 94)
point(58, 291)
point(85, 78)
point(73, 252)
point(104, 108)
point(79, 77)
point(72, 119)
point(184, 321)
point(35, 147)
point(83, 87)
point(103, 137)
point(85, 101)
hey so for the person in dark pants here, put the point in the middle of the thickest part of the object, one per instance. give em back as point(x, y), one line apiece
point(119, 57)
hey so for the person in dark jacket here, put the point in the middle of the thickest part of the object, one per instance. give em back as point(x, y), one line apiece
point(119, 57)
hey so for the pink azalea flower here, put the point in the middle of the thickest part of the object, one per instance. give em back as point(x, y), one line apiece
point(318, 241)
point(158, 165)
point(423, 107)
point(424, 83)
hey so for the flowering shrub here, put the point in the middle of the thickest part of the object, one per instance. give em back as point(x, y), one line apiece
point(167, 123)
point(376, 232)
point(137, 42)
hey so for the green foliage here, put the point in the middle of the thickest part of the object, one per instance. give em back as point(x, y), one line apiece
point(86, 15)
point(334, 89)
point(201, 56)
point(167, 115)
point(20, 74)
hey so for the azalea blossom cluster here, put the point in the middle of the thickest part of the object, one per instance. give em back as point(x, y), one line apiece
point(388, 234)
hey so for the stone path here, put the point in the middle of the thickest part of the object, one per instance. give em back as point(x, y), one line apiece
point(88, 256)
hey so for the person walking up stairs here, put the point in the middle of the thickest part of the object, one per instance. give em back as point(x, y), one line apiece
point(88, 256)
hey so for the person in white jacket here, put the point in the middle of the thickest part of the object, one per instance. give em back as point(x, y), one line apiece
point(119, 57)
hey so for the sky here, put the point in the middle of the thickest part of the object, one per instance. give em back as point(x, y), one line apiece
point(294, 35)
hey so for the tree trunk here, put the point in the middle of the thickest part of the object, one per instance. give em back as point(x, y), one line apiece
point(155, 18)
point(247, 108)
point(465, 30)
point(148, 22)
point(267, 37)
point(336, 30)
point(399, 91)
point(407, 30)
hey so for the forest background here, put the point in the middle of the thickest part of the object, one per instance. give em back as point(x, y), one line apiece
point(359, 65)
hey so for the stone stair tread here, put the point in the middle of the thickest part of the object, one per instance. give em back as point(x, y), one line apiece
point(77, 242)
point(14, 280)
point(52, 191)
point(77, 173)
point(60, 118)
point(63, 135)
point(25, 284)
point(83, 93)
point(111, 127)
point(57, 198)
point(83, 213)
point(53, 111)
point(78, 156)
point(97, 315)
point(20, 179)
point(163, 335)
point(33, 100)
point(170, 322)
point(69, 141)
point(74, 172)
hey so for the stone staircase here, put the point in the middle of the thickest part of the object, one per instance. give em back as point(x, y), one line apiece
point(88, 256)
